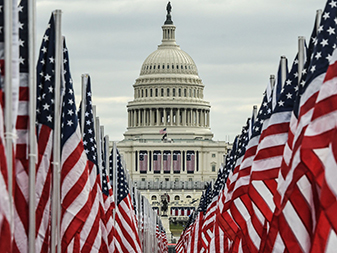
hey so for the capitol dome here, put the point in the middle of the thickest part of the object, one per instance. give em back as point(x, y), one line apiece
point(168, 94)
point(169, 59)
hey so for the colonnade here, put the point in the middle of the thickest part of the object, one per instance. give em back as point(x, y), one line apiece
point(168, 117)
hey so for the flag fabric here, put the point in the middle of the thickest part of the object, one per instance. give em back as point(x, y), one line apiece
point(45, 127)
point(126, 237)
point(163, 131)
point(156, 161)
point(176, 161)
point(20, 241)
point(190, 161)
point(208, 223)
point(167, 162)
point(143, 162)
point(268, 158)
point(91, 234)
point(75, 182)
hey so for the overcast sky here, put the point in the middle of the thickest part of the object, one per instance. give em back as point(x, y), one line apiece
point(236, 45)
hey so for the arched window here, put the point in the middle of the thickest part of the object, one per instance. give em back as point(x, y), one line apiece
point(176, 197)
point(154, 197)
point(188, 197)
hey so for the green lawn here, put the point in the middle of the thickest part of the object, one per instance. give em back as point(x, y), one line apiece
point(176, 229)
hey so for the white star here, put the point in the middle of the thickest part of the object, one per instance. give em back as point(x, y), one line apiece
point(51, 60)
point(70, 91)
point(88, 122)
point(326, 15)
point(324, 42)
point(85, 143)
point(86, 151)
point(44, 49)
point(49, 118)
point(281, 103)
point(42, 61)
point(45, 38)
point(331, 30)
point(21, 60)
point(265, 104)
point(296, 75)
point(70, 112)
point(20, 25)
point(89, 94)
point(70, 123)
point(86, 114)
point(289, 95)
point(318, 55)
point(47, 77)
point(313, 68)
point(333, 4)
point(320, 28)
point(21, 42)
point(70, 101)
point(50, 88)
point(288, 82)
point(329, 57)
point(46, 106)
point(20, 8)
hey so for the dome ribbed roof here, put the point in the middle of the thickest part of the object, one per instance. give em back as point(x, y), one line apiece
point(169, 60)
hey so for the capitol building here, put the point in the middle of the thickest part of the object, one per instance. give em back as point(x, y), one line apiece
point(168, 144)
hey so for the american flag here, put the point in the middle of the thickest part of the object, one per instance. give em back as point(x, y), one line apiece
point(45, 126)
point(209, 220)
point(163, 131)
point(290, 201)
point(268, 158)
point(167, 161)
point(143, 162)
point(312, 160)
point(190, 161)
point(156, 161)
point(126, 237)
point(91, 234)
point(22, 146)
point(75, 183)
point(176, 161)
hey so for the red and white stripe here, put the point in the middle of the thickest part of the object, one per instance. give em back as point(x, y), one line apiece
point(75, 191)
point(126, 231)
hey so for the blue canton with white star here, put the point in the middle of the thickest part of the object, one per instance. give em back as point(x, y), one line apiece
point(46, 78)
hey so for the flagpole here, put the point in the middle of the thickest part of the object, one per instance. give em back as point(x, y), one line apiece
point(301, 56)
point(32, 117)
point(84, 89)
point(56, 203)
point(114, 183)
point(8, 102)
point(283, 70)
point(318, 19)
point(98, 146)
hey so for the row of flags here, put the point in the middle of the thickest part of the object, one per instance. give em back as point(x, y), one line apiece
point(63, 191)
point(277, 189)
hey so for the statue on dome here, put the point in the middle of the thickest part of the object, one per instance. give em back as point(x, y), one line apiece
point(168, 8)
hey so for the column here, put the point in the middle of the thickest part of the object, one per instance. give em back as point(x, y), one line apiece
point(134, 118)
point(138, 113)
point(150, 117)
point(197, 116)
point(193, 117)
point(208, 118)
point(178, 119)
point(129, 118)
point(157, 112)
point(184, 117)
point(165, 116)
point(171, 117)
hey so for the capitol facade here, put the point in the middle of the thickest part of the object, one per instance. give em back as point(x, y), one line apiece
point(168, 144)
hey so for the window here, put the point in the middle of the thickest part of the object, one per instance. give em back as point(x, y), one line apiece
point(168, 92)
point(176, 179)
point(176, 197)
point(213, 155)
point(188, 197)
point(185, 93)
point(143, 179)
point(213, 167)
point(154, 197)
point(172, 66)
point(190, 179)
point(156, 92)
point(150, 92)
point(168, 66)
point(174, 92)
point(162, 92)
point(167, 179)
point(163, 66)
point(179, 92)
point(142, 93)
point(138, 93)
point(146, 93)
point(158, 66)
point(154, 66)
